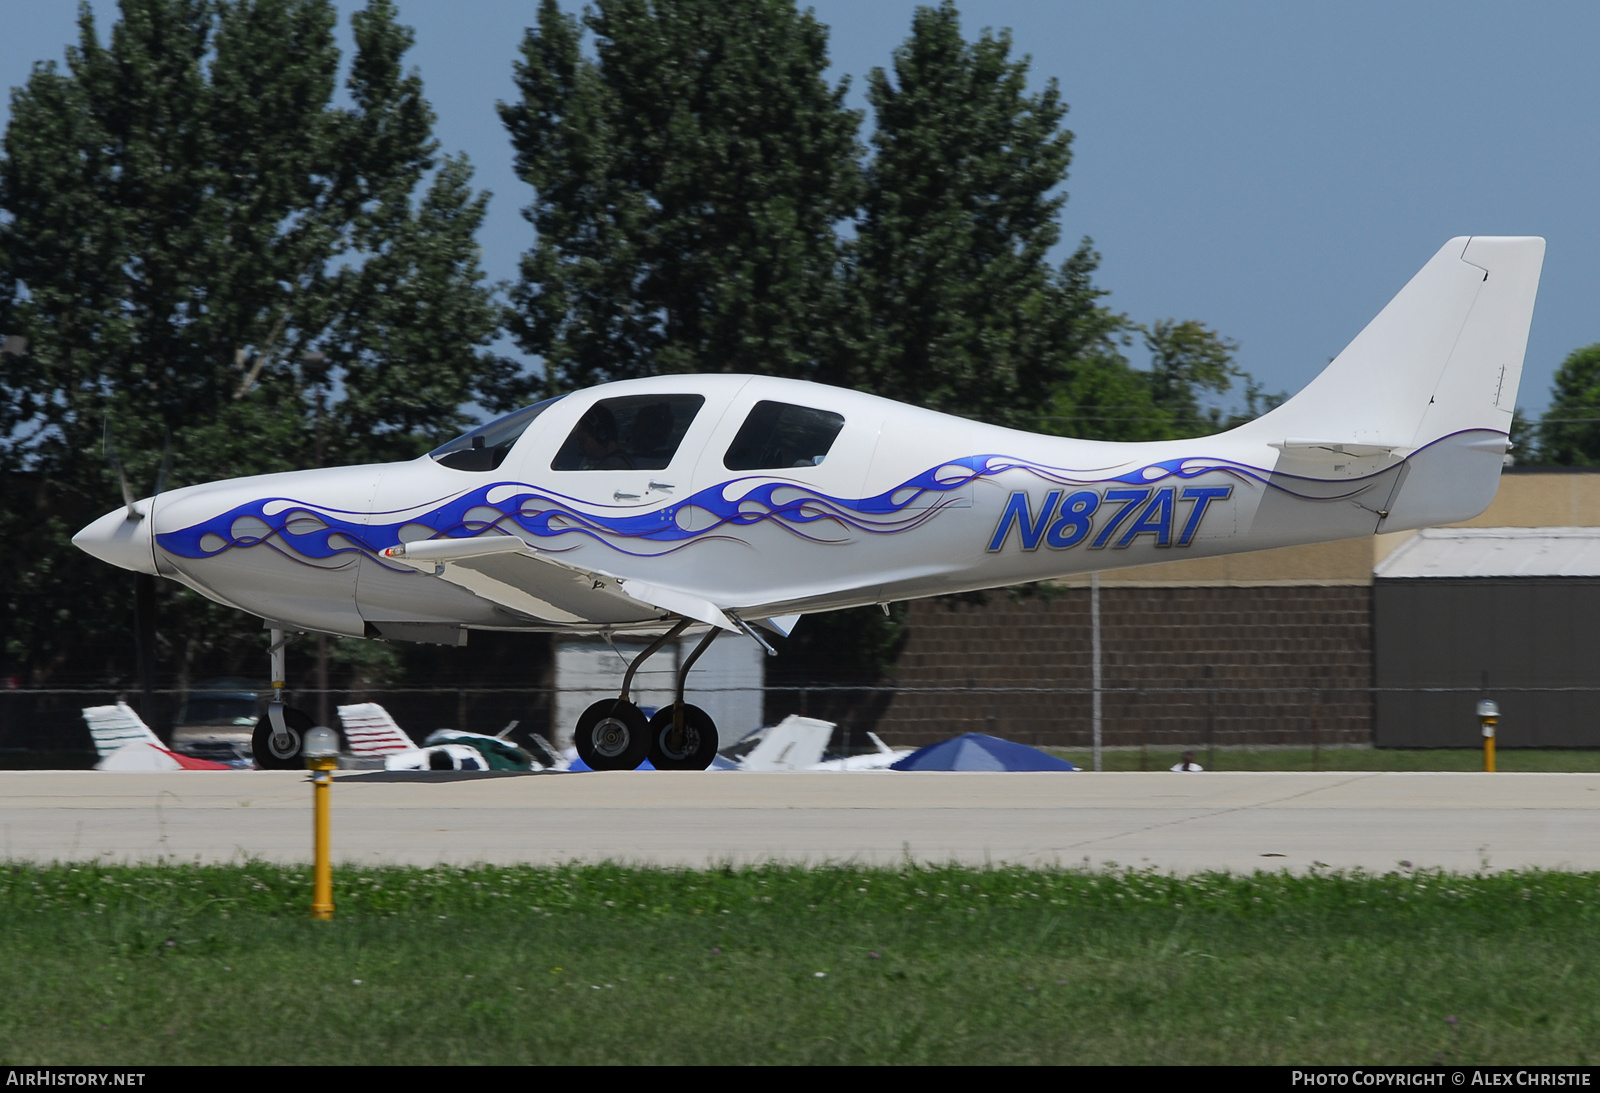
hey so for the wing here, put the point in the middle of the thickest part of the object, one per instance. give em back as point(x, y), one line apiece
point(504, 569)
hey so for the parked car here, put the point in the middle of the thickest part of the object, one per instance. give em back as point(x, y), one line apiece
point(216, 719)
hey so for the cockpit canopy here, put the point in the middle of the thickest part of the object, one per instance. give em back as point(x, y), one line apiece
point(643, 432)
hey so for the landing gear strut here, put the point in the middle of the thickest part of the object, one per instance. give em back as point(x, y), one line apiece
point(683, 737)
point(279, 737)
point(613, 734)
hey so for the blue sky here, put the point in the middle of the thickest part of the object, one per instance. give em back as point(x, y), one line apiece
point(1275, 170)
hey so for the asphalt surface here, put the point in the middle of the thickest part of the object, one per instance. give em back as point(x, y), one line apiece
point(1169, 822)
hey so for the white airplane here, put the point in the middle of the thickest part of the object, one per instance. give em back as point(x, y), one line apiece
point(741, 503)
point(795, 743)
point(798, 743)
point(880, 759)
point(374, 734)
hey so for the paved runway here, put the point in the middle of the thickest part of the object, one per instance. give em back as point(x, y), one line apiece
point(1171, 822)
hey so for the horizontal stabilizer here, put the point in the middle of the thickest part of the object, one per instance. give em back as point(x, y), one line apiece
point(1339, 447)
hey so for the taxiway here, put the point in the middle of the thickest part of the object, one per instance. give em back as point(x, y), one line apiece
point(1169, 822)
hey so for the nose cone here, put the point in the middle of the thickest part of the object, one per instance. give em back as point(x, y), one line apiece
point(123, 542)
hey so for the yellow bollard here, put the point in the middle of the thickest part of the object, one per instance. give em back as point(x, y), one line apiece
point(321, 749)
point(1488, 718)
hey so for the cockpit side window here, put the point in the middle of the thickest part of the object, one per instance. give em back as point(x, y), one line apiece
point(779, 435)
point(486, 447)
point(633, 433)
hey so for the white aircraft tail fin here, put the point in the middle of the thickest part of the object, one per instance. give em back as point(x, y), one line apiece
point(126, 743)
point(794, 743)
point(372, 732)
point(114, 727)
point(1444, 356)
point(1434, 378)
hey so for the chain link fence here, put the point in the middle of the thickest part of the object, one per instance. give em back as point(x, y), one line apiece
point(1157, 717)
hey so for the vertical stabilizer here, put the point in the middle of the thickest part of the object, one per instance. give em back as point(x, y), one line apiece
point(1444, 356)
point(372, 732)
point(1426, 392)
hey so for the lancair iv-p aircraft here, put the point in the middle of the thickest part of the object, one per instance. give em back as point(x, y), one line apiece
point(742, 503)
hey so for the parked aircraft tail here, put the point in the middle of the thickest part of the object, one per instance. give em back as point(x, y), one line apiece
point(115, 727)
point(1432, 381)
point(795, 743)
point(372, 733)
point(126, 743)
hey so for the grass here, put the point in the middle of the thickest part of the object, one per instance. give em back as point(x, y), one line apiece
point(605, 964)
point(1566, 760)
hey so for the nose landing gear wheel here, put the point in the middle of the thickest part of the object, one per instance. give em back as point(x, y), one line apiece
point(692, 749)
point(274, 752)
point(612, 735)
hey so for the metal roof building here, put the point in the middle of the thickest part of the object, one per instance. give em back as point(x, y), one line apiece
point(1495, 552)
point(1511, 613)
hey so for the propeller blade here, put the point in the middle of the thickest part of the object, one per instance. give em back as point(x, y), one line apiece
point(122, 475)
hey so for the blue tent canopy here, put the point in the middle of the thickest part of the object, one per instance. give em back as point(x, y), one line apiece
point(717, 763)
point(975, 751)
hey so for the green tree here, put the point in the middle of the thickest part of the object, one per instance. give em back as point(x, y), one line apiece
point(1105, 399)
point(1188, 358)
point(198, 247)
point(963, 311)
point(1569, 433)
point(688, 181)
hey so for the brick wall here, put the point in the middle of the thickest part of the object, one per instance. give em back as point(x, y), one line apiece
point(1183, 667)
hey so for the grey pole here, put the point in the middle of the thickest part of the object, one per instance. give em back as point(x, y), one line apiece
point(1094, 629)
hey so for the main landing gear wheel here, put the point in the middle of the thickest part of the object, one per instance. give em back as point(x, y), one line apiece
point(612, 735)
point(691, 749)
point(274, 752)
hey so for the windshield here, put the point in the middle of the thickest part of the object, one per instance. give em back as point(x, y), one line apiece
point(486, 447)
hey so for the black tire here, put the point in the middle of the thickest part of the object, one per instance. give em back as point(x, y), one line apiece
point(697, 748)
point(267, 757)
point(612, 735)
